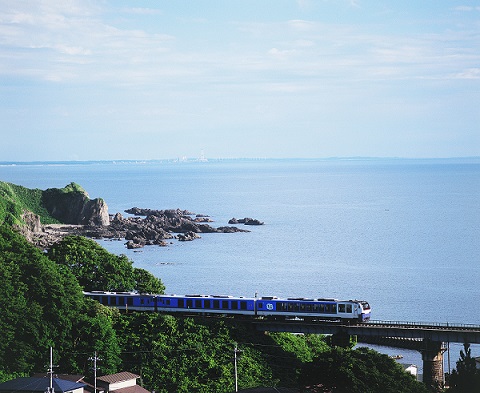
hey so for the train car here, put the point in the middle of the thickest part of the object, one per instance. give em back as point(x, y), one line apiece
point(206, 304)
point(313, 309)
point(265, 307)
point(124, 300)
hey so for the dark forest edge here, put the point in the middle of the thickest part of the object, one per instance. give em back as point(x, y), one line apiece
point(43, 306)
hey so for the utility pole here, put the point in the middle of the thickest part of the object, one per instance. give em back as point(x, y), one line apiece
point(236, 350)
point(50, 389)
point(95, 368)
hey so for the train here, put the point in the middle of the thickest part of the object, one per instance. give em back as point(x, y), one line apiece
point(267, 307)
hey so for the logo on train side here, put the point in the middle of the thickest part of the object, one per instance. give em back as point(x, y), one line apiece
point(269, 306)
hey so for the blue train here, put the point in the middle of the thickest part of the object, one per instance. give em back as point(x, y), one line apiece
point(352, 311)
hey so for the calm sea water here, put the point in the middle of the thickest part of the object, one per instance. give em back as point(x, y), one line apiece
point(402, 234)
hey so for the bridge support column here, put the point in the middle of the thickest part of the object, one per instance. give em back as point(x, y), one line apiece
point(432, 356)
point(341, 339)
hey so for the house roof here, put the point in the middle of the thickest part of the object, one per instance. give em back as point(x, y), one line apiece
point(132, 389)
point(33, 385)
point(66, 377)
point(119, 377)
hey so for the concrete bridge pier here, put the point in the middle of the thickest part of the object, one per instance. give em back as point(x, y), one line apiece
point(432, 356)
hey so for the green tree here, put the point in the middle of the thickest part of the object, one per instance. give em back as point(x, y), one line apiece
point(146, 282)
point(94, 331)
point(181, 355)
point(39, 304)
point(94, 267)
point(361, 370)
point(466, 378)
point(42, 305)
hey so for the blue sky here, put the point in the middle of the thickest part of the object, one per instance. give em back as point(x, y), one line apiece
point(101, 80)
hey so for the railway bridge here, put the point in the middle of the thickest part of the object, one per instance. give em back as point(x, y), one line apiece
point(431, 337)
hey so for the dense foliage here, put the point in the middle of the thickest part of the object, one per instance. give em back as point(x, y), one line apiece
point(15, 199)
point(42, 305)
point(357, 371)
point(98, 270)
point(466, 377)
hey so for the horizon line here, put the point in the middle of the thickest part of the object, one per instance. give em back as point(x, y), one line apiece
point(205, 160)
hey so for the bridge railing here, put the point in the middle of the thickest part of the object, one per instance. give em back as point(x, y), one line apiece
point(445, 325)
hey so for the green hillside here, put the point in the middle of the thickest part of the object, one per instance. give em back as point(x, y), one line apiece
point(14, 200)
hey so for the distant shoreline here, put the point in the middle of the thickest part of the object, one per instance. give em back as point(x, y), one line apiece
point(472, 159)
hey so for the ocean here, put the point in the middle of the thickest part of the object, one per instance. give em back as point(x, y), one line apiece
point(403, 234)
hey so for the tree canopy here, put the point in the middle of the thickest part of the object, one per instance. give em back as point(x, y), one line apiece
point(357, 371)
point(98, 270)
point(42, 306)
point(466, 377)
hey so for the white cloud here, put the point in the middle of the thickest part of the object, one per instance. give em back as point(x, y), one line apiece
point(466, 8)
point(143, 11)
point(471, 73)
point(301, 25)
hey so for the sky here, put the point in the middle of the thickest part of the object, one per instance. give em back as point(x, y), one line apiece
point(109, 80)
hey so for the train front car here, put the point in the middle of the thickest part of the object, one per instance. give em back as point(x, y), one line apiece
point(353, 311)
point(364, 311)
point(349, 311)
point(297, 308)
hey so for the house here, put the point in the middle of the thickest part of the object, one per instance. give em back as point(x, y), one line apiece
point(41, 385)
point(124, 382)
point(411, 368)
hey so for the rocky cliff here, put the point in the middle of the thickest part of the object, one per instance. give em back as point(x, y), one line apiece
point(72, 205)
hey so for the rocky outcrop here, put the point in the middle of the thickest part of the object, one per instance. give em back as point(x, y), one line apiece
point(43, 236)
point(157, 227)
point(32, 221)
point(246, 221)
point(72, 205)
point(31, 227)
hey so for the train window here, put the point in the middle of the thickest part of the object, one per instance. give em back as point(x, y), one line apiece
point(207, 304)
point(130, 301)
point(225, 304)
point(216, 304)
point(189, 303)
point(198, 304)
point(334, 308)
point(349, 308)
point(181, 303)
point(167, 302)
point(235, 305)
point(260, 305)
point(243, 305)
point(302, 307)
point(341, 308)
point(105, 300)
